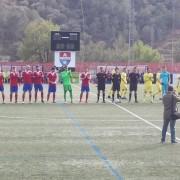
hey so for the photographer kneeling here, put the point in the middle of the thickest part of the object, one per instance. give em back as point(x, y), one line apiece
point(170, 114)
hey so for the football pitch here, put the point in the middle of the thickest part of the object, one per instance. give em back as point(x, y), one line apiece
point(85, 141)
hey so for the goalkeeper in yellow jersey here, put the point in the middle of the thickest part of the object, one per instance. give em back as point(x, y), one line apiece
point(123, 85)
point(148, 84)
point(158, 85)
point(178, 86)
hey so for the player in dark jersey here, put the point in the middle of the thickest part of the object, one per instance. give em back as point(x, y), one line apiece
point(101, 84)
point(116, 80)
point(133, 82)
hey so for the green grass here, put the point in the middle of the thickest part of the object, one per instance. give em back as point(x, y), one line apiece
point(46, 141)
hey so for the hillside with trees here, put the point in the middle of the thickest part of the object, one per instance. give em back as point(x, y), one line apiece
point(104, 25)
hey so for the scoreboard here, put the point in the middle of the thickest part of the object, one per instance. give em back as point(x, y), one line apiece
point(65, 41)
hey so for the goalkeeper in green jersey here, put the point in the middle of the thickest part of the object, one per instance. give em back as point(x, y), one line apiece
point(66, 78)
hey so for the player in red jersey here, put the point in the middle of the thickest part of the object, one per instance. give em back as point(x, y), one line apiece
point(14, 84)
point(52, 80)
point(85, 78)
point(1, 85)
point(27, 77)
point(38, 80)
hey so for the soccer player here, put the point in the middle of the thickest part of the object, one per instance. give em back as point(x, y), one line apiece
point(27, 77)
point(1, 85)
point(101, 83)
point(52, 80)
point(148, 84)
point(165, 78)
point(38, 80)
point(66, 78)
point(158, 85)
point(14, 84)
point(111, 89)
point(85, 78)
point(123, 89)
point(116, 80)
point(133, 82)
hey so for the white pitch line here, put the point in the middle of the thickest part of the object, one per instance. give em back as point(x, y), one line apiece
point(32, 118)
point(142, 119)
point(9, 117)
point(137, 116)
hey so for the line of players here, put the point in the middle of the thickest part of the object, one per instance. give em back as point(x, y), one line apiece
point(29, 78)
point(120, 84)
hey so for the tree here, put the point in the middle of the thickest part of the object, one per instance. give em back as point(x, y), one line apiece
point(13, 20)
point(145, 53)
point(101, 21)
point(36, 43)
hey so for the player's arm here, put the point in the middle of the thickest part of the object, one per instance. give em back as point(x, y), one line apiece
point(70, 75)
point(128, 77)
point(48, 80)
point(61, 77)
point(112, 77)
point(82, 76)
point(168, 77)
point(144, 78)
point(138, 77)
point(120, 78)
point(55, 81)
point(123, 78)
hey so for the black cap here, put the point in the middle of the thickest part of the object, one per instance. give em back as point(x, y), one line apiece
point(170, 88)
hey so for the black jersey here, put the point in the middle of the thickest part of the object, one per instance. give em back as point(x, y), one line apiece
point(101, 80)
point(133, 78)
point(116, 80)
point(133, 81)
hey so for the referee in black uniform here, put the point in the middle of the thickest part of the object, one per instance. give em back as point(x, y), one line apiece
point(133, 83)
point(116, 80)
point(101, 83)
